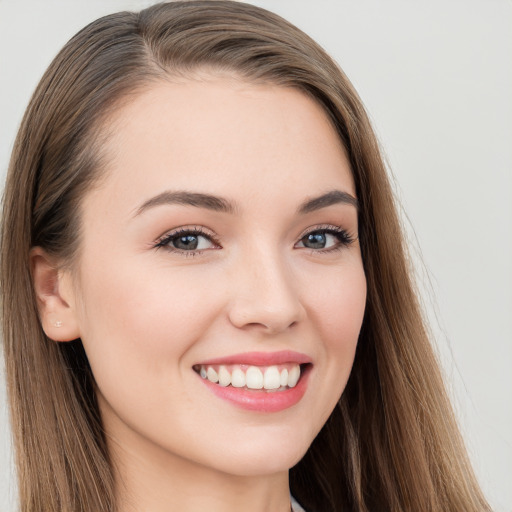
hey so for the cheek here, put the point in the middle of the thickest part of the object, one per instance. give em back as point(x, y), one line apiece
point(337, 309)
point(337, 303)
point(142, 322)
point(345, 317)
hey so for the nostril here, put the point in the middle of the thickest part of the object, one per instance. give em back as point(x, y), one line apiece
point(269, 320)
point(267, 302)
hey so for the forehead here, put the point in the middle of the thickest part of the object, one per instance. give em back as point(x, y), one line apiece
point(217, 134)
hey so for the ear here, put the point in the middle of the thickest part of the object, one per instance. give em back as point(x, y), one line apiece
point(55, 298)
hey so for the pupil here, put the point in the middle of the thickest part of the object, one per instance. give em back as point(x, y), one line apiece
point(315, 240)
point(186, 242)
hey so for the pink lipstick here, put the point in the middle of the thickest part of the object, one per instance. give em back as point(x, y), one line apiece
point(258, 381)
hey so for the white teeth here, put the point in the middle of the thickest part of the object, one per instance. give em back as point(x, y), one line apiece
point(293, 376)
point(238, 378)
point(272, 378)
point(254, 378)
point(212, 375)
point(224, 377)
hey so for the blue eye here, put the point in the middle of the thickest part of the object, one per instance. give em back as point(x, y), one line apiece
point(322, 239)
point(316, 240)
point(190, 242)
point(186, 240)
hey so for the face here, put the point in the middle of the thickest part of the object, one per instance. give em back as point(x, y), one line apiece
point(221, 246)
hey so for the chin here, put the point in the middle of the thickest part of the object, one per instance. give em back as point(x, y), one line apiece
point(263, 465)
point(264, 454)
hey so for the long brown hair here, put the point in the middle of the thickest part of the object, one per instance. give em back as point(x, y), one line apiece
point(391, 444)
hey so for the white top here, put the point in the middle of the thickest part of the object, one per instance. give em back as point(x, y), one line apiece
point(295, 506)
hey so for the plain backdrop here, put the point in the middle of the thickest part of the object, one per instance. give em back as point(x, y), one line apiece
point(436, 77)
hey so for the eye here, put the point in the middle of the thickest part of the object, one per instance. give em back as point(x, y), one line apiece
point(187, 240)
point(191, 242)
point(325, 239)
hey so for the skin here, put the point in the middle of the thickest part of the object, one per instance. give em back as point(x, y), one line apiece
point(147, 315)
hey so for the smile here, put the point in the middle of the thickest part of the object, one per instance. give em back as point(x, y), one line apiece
point(270, 378)
point(258, 381)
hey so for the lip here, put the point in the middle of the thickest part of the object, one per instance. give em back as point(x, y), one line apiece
point(261, 358)
point(260, 400)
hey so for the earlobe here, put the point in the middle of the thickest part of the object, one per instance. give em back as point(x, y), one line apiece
point(55, 301)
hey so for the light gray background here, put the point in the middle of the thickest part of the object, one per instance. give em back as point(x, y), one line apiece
point(436, 77)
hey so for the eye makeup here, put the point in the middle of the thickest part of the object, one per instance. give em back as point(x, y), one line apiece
point(188, 241)
point(191, 241)
point(320, 238)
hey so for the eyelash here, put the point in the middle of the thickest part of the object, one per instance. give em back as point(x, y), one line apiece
point(344, 239)
point(343, 236)
point(164, 242)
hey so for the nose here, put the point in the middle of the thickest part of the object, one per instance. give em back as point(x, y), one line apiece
point(264, 295)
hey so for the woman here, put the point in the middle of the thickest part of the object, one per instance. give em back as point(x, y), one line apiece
point(206, 299)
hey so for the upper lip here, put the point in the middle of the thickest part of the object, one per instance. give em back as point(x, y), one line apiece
point(261, 358)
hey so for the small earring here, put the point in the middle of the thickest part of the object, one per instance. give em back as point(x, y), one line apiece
point(58, 323)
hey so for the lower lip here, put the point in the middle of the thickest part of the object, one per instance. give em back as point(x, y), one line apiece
point(262, 400)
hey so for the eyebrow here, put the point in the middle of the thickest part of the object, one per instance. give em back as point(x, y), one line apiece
point(328, 199)
point(197, 199)
point(219, 204)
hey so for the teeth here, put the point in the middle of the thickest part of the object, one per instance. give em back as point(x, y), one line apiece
point(212, 375)
point(293, 376)
point(224, 377)
point(238, 378)
point(253, 378)
point(272, 378)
